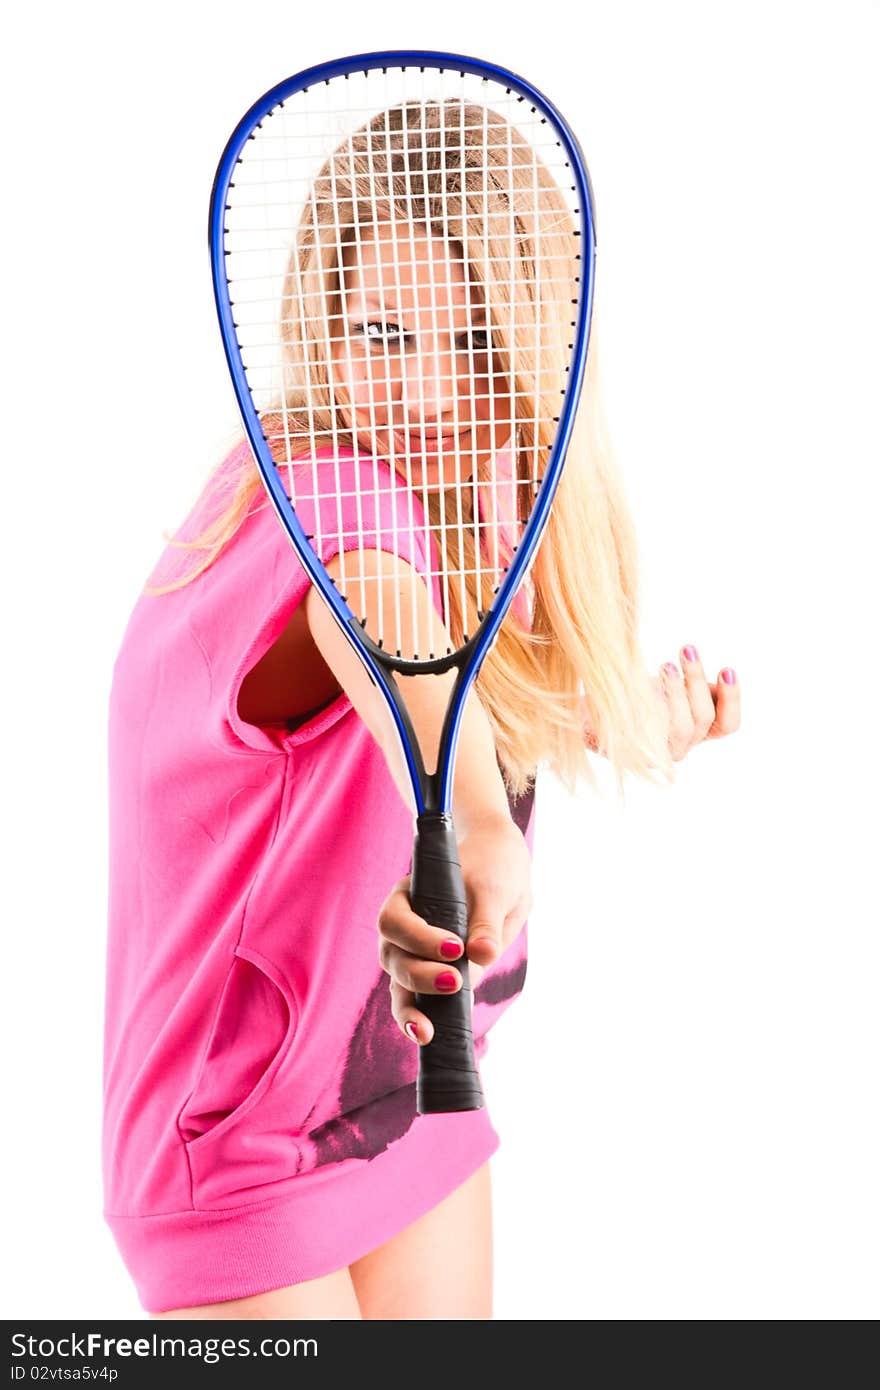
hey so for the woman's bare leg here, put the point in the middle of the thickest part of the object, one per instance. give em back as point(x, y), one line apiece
point(440, 1266)
point(330, 1297)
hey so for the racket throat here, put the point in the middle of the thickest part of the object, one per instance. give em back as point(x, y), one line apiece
point(432, 790)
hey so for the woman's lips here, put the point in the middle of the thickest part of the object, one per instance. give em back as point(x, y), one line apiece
point(422, 443)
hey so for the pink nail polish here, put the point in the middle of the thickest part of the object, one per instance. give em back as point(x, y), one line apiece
point(690, 654)
point(411, 1029)
point(728, 675)
point(670, 669)
point(446, 981)
point(450, 949)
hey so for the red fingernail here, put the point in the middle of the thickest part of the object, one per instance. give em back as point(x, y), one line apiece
point(450, 949)
point(728, 675)
point(446, 981)
point(411, 1029)
point(690, 654)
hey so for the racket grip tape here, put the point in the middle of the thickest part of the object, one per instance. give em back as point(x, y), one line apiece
point(448, 1078)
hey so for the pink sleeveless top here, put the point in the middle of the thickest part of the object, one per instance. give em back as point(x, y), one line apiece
point(259, 1100)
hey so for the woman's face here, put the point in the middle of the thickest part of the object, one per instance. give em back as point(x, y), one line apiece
point(411, 362)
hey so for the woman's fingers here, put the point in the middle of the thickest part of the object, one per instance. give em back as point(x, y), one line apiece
point(699, 695)
point(412, 952)
point(411, 1020)
point(411, 974)
point(485, 929)
point(490, 931)
point(417, 1026)
point(400, 926)
point(419, 975)
point(421, 958)
point(728, 712)
point(681, 719)
point(696, 709)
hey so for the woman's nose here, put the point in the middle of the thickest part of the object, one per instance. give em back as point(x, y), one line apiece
point(431, 386)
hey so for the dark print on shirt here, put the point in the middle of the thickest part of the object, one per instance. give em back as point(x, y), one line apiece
point(377, 1085)
point(521, 807)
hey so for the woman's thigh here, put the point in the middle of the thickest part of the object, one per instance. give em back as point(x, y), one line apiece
point(332, 1296)
point(439, 1266)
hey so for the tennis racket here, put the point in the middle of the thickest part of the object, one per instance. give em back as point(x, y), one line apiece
point(403, 253)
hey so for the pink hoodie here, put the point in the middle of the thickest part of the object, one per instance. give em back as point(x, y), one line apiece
point(259, 1100)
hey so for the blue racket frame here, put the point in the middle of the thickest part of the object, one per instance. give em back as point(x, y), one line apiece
point(432, 792)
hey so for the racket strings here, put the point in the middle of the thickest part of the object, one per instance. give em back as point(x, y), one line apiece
point(404, 271)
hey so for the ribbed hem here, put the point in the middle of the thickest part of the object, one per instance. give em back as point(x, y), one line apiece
point(325, 1220)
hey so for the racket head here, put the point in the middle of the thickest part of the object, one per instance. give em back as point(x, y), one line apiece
point(311, 255)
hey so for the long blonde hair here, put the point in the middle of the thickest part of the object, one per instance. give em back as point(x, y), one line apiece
point(577, 666)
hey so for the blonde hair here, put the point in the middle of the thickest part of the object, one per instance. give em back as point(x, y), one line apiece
point(577, 666)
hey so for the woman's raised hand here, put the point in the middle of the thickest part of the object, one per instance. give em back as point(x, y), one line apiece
point(696, 710)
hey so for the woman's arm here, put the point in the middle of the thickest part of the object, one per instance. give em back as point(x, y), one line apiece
point(495, 861)
point(478, 787)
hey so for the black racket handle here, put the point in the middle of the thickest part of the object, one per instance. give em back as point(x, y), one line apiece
point(448, 1078)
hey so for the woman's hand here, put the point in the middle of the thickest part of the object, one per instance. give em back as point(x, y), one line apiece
point(496, 868)
point(697, 710)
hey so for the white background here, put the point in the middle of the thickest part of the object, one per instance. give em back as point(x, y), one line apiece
point(686, 1091)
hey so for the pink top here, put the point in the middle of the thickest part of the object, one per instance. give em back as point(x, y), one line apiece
point(259, 1100)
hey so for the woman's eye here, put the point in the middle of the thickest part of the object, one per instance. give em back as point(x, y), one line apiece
point(375, 331)
point(478, 341)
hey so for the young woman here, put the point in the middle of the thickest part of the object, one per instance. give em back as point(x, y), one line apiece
point(262, 1152)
